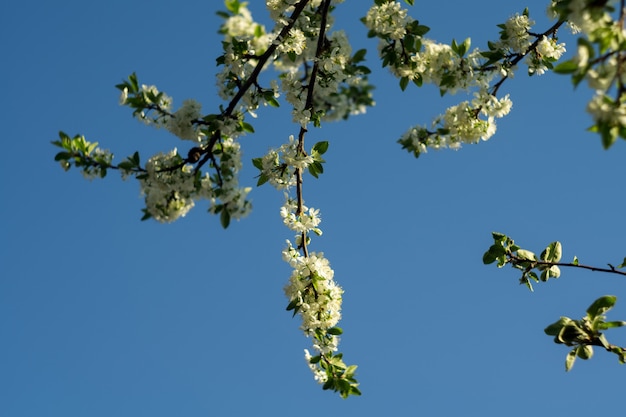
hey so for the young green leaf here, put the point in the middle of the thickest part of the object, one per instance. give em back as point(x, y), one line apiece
point(584, 352)
point(601, 306)
point(555, 328)
point(526, 255)
point(336, 331)
point(225, 218)
point(570, 359)
point(552, 253)
point(321, 147)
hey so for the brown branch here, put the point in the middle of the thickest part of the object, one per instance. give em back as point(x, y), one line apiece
point(264, 58)
point(515, 260)
point(532, 47)
point(324, 7)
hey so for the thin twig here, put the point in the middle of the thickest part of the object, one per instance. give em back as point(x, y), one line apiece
point(324, 7)
point(515, 260)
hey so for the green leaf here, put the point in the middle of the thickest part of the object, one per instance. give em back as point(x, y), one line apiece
point(489, 257)
point(571, 333)
point(555, 328)
point(330, 383)
point(292, 304)
point(567, 67)
point(605, 343)
point(146, 215)
point(584, 352)
point(552, 253)
point(225, 218)
point(601, 306)
point(528, 284)
point(272, 101)
point(554, 271)
point(526, 255)
point(570, 359)
point(610, 324)
point(404, 81)
point(359, 56)
point(247, 127)
point(321, 147)
point(262, 180)
point(313, 170)
point(62, 156)
point(336, 331)
point(258, 163)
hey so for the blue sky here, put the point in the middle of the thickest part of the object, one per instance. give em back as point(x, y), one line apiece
point(104, 315)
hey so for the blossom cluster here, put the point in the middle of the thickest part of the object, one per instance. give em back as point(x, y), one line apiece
point(599, 61)
point(306, 221)
point(103, 157)
point(171, 186)
point(459, 124)
point(182, 123)
point(169, 189)
point(453, 68)
point(318, 84)
point(546, 52)
point(153, 107)
point(322, 79)
point(341, 87)
point(315, 296)
point(388, 20)
point(278, 166)
point(587, 16)
point(230, 199)
point(515, 33)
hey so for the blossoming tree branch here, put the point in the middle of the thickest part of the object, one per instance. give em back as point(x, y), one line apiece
point(322, 79)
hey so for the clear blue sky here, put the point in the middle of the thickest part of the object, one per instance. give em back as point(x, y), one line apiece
point(104, 315)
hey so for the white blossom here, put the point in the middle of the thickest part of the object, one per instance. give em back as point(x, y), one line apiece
point(168, 192)
point(181, 123)
point(515, 33)
point(388, 20)
point(603, 109)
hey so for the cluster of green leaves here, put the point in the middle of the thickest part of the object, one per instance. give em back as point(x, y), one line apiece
point(505, 251)
point(582, 334)
point(319, 149)
point(141, 99)
point(82, 154)
point(340, 377)
point(585, 333)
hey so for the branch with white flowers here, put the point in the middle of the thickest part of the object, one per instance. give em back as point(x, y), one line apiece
point(321, 78)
